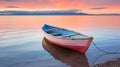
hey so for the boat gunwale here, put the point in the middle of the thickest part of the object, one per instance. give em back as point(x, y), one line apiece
point(69, 38)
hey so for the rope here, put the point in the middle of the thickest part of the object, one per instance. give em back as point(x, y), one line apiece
point(104, 50)
point(105, 53)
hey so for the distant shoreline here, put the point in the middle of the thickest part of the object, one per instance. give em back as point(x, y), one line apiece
point(52, 13)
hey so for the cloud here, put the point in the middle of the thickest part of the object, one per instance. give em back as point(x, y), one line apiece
point(103, 2)
point(97, 8)
point(10, 0)
point(12, 7)
point(50, 12)
point(61, 4)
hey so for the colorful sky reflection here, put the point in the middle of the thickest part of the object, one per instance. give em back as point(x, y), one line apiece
point(87, 6)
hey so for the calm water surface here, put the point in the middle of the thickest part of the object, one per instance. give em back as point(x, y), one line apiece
point(22, 43)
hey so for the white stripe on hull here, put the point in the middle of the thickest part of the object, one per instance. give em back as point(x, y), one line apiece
point(81, 42)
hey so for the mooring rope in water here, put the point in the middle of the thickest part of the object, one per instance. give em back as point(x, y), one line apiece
point(104, 50)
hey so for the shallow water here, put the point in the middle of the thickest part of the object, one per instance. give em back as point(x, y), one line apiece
point(21, 41)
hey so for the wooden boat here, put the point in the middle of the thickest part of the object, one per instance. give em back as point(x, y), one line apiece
point(67, 38)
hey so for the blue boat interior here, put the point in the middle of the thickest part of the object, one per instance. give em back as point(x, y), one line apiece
point(61, 32)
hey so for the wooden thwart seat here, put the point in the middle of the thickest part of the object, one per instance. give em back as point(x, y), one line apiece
point(53, 32)
point(57, 34)
point(50, 30)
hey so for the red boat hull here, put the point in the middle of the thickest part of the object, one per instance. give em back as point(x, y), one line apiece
point(80, 45)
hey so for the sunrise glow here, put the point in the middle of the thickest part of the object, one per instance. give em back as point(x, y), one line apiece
point(87, 6)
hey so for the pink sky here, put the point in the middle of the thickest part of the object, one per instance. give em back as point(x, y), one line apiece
point(88, 6)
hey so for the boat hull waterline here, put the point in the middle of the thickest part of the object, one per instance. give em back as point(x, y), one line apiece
point(78, 44)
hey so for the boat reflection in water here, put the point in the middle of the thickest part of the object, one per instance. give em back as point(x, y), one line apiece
point(67, 56)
